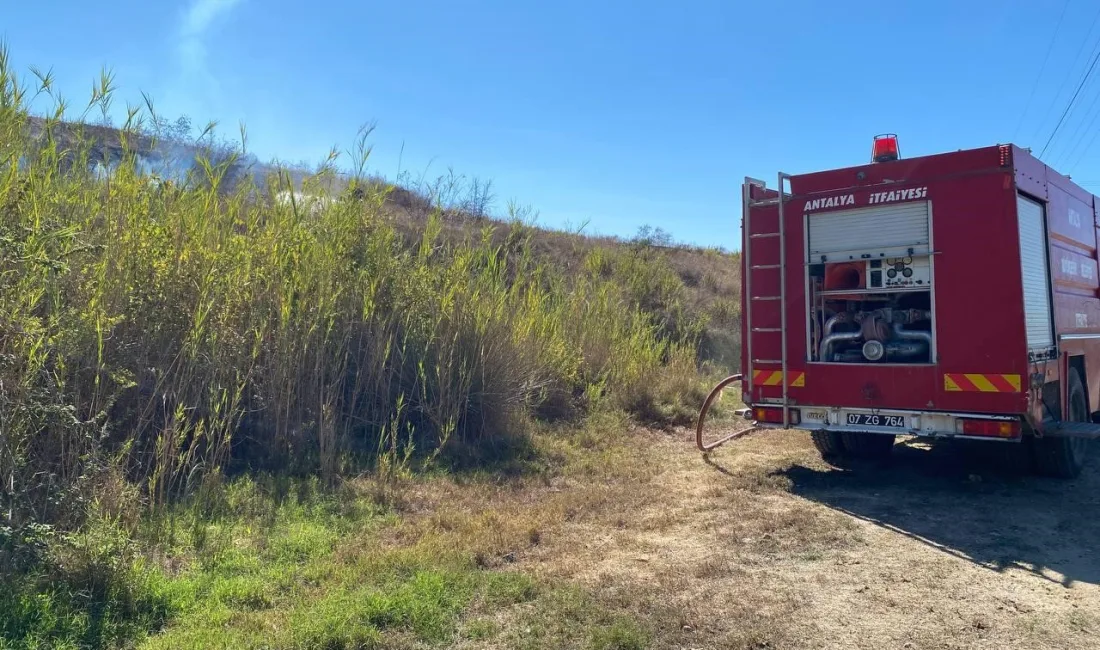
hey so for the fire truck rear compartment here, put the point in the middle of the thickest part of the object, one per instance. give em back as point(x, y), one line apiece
point(872, 328)
point(869, 284)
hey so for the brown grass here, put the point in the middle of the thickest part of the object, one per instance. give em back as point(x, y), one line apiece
point(646, 529)
point(726, 552)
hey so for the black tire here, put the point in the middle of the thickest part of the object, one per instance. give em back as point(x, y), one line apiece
point(868, 445)
point(828, 443)
point(1064, 457)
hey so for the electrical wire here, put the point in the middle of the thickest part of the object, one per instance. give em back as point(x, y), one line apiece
point(1086, 117)
point(1073, 99)
point(1085, 151)
point(1069, 73)
point(1042, 68)
point(1077, 141)
point(1086, 123)
point(1080, 118)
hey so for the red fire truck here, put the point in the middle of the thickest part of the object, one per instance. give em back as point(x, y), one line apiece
point(946, 296)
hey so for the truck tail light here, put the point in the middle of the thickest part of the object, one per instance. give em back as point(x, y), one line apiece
point(769, 415)
point(885, 148)
point(990, 428)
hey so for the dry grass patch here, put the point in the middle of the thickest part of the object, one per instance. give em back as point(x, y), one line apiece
point(646, 527)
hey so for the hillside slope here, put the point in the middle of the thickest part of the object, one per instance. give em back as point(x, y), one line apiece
point(683, 286)
point(706, 284)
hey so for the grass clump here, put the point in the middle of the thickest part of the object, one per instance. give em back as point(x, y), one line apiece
point(86, 590)
point(569, 618)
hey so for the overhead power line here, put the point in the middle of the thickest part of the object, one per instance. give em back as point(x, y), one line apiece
point(1073, 99)
point(1084, 152)
point(1084, 127)
point(1087, 117)
point(1080, 57)
point(1042, 69)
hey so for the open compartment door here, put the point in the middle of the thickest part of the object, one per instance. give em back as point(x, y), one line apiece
point(1038, 317)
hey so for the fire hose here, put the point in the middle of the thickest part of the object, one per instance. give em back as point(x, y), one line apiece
point(705, 447)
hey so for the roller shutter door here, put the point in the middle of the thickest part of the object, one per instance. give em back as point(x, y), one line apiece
point(1033, 263)
point(877, 231)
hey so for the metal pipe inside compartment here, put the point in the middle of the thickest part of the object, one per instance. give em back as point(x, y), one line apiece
point(827, 340)
point(827, 344)
point(911, 343)
point(831, 324)
point(912, 335)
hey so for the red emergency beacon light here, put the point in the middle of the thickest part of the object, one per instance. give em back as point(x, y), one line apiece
point(885, 148)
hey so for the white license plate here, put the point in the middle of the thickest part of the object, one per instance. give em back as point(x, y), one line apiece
point(867, 420)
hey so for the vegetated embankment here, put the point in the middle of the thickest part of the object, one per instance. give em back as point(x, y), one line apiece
point(206, 389)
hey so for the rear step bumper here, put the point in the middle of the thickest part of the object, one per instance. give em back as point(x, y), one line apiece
point(927, 424)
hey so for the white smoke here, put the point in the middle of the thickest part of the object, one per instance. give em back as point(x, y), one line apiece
point(194, 29)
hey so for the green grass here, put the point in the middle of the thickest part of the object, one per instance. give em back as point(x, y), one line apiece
point(424, 605)
point(268, 561)
point(569, 618)
point(203, 562)
point(308, 569)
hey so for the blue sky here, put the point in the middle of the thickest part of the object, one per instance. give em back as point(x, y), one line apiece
point(613, 113)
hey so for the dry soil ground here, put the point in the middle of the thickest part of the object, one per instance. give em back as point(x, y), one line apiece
point(764, 545)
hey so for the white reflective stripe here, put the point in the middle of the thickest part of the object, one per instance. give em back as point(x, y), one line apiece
point(1033, 264)
point(877, 230)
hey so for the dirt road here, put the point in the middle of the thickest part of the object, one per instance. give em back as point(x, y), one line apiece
point(764, 545)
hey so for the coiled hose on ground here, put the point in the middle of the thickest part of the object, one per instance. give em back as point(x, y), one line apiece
point(705, 447)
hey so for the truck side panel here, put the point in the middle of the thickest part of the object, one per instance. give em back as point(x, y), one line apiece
point(1075, 273)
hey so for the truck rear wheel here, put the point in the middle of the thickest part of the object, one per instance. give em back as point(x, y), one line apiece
point(1064, 457)
point(868, 445)
point(828, 443)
